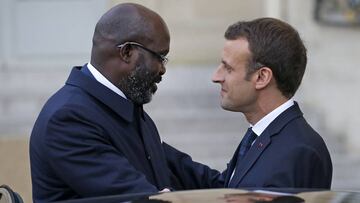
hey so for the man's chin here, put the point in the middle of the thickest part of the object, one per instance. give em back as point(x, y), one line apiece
point(146, 99)
point(227, 106)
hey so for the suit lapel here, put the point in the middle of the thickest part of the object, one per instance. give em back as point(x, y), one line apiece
point(263, 141)
point(230, 167)
point(250, 158)
point(119, 105)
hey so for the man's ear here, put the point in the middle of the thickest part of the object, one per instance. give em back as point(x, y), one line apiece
point(126, 52)
point(264, 76)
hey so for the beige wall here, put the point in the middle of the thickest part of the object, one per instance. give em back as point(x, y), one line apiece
point(197, 27)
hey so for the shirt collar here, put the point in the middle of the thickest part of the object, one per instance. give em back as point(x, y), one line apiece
point(101, 79)
point(261, 125)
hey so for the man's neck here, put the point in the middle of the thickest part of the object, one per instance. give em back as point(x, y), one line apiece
point(264, 106)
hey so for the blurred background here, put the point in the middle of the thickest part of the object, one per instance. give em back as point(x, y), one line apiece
point(40, 41)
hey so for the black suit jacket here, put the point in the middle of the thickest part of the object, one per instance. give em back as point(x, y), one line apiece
point(289, 153)
point(86, 143)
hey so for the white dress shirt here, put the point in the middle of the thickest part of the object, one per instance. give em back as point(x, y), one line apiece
point(263, 123)
point(101, 79)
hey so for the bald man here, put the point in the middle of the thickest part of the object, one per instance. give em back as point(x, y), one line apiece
point(92, 137)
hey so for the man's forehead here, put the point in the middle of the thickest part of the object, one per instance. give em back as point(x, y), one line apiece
point(236, 50)
point(240, 44)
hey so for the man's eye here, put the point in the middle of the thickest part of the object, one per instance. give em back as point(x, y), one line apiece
point(228, 68)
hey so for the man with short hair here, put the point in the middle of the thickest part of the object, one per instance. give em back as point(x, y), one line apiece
point(262, 65)
point(92, 137)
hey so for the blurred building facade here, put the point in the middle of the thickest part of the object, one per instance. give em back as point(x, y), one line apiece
point(41, 40)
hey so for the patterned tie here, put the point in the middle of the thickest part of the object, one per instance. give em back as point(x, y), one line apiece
point(245, 145)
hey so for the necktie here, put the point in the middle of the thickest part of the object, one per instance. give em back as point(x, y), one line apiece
point(245, 145)
point(138, 115)
point(246, 142)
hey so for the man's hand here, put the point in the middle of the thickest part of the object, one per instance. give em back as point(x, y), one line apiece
point(165, 190)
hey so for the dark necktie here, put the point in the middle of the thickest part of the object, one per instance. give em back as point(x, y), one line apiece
point(246, 142)
point(138, 115)
point(245, 145)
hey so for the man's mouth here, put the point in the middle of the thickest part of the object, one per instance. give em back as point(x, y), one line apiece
point(158, 80)
point(222, 92)
point(153, 88)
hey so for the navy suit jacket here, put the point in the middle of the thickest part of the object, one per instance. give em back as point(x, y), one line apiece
point(86, 143)
point(289, 153)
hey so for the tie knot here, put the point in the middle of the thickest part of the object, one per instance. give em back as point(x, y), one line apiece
point(246, 142)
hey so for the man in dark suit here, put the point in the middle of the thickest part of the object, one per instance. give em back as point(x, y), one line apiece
point(92, 137)
point(262, 65)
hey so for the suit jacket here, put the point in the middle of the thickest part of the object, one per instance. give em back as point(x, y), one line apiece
point(86, 142)
point(289, 153)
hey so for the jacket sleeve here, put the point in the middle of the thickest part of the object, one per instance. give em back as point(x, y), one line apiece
point(85, 159)
point(191, 174)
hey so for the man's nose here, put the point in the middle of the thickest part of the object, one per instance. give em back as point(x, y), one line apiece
point(217, 76)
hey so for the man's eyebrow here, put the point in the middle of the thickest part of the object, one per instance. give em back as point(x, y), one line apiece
point(163, 52)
